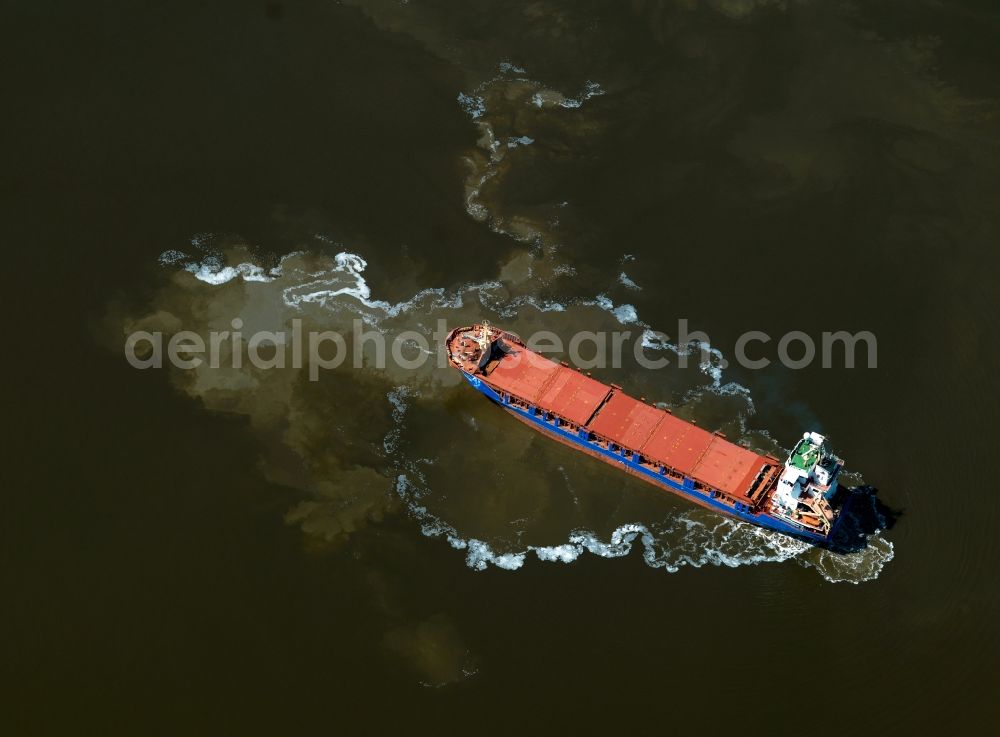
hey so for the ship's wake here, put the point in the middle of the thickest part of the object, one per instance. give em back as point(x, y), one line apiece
point(505, 495)
point(689, 538)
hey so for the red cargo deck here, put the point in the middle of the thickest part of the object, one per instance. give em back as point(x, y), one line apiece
point(728, 467)
point(571, 395)
point(626, 421)
point(555, 388)
point(523, 374)
point(612, 415)
point(678, 444)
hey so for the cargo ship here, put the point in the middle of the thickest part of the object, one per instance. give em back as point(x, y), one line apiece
point(798, 497)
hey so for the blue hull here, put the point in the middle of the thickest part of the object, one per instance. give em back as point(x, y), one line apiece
point(686, 488)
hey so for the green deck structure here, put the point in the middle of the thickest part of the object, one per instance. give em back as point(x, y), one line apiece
point(805, 455)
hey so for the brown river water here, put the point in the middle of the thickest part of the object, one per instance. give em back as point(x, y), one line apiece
point(241, 550)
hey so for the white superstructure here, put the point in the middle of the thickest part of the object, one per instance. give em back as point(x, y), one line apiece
point(807, 484)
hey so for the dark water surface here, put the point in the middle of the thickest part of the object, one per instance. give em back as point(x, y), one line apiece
point(238, 551)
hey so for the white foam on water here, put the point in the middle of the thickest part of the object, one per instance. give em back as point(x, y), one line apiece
point(591, 89)
point(212, 269)
point(342, 286)
point(397, 398)
point(473, 105)
point(712, 363)
point(559, 553)
point(654, 341)
point(479, 556)
point(625, 314)
point(507, 68)
point(171, 257)
point(551, 98)
point(627, 282)
point(507, 307)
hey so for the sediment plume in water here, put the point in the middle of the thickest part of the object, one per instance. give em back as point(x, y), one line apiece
point(370, 441)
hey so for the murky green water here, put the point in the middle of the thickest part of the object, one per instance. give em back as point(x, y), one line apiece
point(238, 550)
